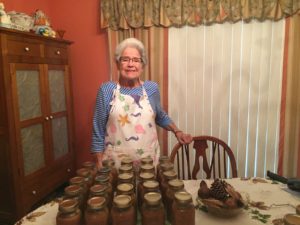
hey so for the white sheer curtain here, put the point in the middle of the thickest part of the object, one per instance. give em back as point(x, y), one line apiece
point(225, 81)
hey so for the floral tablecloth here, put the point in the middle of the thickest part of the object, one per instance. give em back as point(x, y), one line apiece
point(268, 202)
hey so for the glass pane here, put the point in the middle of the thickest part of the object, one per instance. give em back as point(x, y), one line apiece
point(28, 89)
point(57, 90)
point(60, 136)
point(33, 148)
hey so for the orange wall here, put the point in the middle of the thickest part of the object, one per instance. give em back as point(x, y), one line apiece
point(88, 56)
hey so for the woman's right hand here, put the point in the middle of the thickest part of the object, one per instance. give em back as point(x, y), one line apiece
point(99, 156)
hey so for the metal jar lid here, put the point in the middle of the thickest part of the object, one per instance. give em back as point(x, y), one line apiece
point(125, 188)
point(146, 176)
point(127, 161)
point(125, 176)
point(167, 166)
point(102, 179)
point(96, 202)
point(152, 198)
point(68, 205)
point(147, 167)
point(73, 190)
point(170, 174)
point(83, 172)
point(98, 188)
point(77, 180)
point(163, 159)
point(108, 163)
point(151, 184)
point(147, 160)
point(104, 171)
point(89, 165)
point(125, 169)
point(176, 184)
point(122, 201)
point(183, 197)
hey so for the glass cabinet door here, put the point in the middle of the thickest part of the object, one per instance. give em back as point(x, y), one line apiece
point(28, 103)
point(58, 85)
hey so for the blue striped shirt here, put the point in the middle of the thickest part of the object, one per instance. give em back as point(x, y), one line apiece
point(102, 109)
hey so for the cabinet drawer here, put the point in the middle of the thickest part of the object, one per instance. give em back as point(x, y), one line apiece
point(56, 52)
point(23, 48)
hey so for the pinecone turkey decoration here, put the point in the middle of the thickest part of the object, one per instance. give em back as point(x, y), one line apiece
point(220, 195)
point(218, 190)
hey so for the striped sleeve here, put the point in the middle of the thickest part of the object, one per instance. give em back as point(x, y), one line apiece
point(101, 113)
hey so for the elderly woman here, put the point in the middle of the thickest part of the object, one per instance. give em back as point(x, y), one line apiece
point(127, 111)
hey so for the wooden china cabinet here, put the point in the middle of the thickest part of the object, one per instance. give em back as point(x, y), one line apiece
point(36, 123)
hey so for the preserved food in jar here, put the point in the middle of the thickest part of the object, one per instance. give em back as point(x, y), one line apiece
point(104, 180)
point(96, 212)
point(86, 174)
point(183, 209)
point(153, 210)
point(75, 192)
point(68, 213)
point(174, 186)
point(143, 177)
point(122, 212)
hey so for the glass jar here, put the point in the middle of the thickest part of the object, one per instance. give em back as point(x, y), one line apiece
point(164, 185)
point(104, 180)
point(147, 168)
point(152, 211)
point(122, 212)
point(80, 182)
point(113, 171)
point(164, 167)
point(96, 212)
point(75, 192)
point(126, 178)
point(86, 174)
point(162, 159)
point(146, 161)
point(174, 186)
point(127, 161)
point(106, 171)
point(100, 190)
point(143, 177)
point(68, 213)
point(127, 189)
point(91, 166)
point(183, 209)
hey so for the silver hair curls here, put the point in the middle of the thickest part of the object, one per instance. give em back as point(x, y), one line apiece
point(133, 43)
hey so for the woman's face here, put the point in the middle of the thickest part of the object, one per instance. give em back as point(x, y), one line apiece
point(130, 64)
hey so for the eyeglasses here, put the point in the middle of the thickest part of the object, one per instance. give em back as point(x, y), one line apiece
point(126, 60)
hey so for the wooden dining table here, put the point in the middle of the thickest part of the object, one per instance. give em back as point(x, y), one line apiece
point(267, 203)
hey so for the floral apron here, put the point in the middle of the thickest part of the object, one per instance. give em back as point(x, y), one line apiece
point(131, 129)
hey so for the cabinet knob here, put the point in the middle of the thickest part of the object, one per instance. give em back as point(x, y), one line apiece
point(51, 117)
point(68, 170)
point(34, 192)
point(26, 49)
point(57, 52)
point(47, 118)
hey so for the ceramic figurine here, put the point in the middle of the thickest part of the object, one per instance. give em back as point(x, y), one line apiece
point(4, 18)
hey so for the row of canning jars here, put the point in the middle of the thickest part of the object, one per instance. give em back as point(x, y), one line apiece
point(109, 197)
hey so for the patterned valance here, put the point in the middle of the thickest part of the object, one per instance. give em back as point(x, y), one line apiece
point(125, 14)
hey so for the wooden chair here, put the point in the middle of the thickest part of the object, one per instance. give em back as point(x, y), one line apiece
point(205, 146)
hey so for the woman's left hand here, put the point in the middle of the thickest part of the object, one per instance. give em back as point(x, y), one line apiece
point(183, 138)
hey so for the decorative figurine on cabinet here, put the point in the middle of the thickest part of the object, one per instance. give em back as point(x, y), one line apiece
point(42, 24)
point(4, 18)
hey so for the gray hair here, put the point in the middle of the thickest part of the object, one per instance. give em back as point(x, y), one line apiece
point(133, 43)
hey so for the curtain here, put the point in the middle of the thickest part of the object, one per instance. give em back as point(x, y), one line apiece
point(225, 81)
point(155, 42)
point(125, 14)
point(290, 129)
